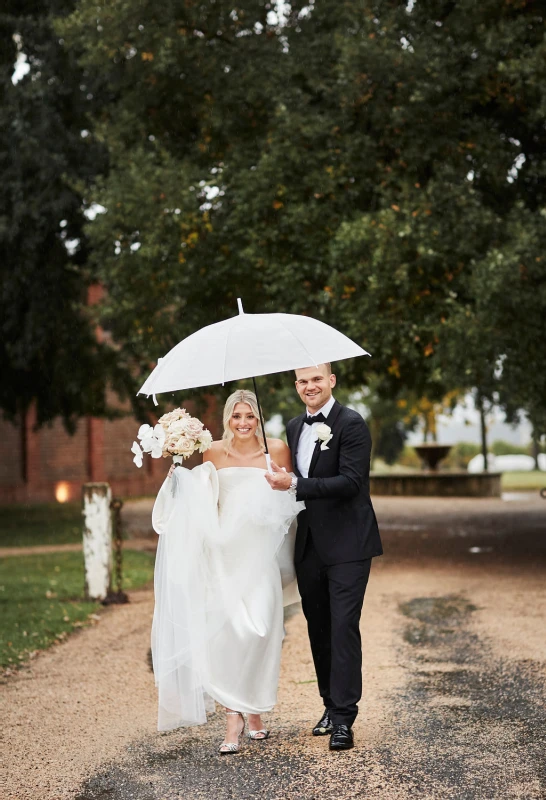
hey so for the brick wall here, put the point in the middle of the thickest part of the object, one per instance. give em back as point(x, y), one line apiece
point(11, 461)
point(63, 457)
point(34, 463)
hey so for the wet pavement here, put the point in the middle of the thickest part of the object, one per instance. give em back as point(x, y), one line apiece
point(466, 721)
point(454, 680)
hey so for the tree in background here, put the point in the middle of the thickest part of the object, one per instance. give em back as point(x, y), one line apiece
point(361, 162)
point(48, 348)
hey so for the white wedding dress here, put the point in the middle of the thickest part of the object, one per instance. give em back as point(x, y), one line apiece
point(224, 570)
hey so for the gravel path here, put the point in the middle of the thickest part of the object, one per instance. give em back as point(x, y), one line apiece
point(455, 676)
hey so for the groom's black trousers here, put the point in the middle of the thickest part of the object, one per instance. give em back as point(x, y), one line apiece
point(332, 598)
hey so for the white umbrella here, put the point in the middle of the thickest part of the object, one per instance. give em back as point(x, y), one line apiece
point(246, 346)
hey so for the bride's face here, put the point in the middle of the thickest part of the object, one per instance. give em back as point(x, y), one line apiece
point(243, 422)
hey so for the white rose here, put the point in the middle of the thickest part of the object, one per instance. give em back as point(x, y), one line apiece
point(177, 428)
point(205, 441)
point(184, 446)
point(194, 427)
point(324, 434)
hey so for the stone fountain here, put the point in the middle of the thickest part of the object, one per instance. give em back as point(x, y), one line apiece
point(431, 453)
point(431, 482)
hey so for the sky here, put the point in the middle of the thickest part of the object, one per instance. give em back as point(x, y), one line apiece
point(464, 426)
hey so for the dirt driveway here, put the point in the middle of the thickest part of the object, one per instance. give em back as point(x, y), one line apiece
point(454, 676)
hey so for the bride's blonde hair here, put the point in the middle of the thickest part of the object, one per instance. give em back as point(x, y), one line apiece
point(240, 396)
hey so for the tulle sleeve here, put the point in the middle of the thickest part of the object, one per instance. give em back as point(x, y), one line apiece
point(184, 514)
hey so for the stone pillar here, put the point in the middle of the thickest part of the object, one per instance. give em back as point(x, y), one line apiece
point(97, 539)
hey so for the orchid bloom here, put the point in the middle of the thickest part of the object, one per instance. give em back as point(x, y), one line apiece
point(138, 454)
point(144, 431)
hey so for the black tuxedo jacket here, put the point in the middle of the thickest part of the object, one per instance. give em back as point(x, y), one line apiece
point(339, 515)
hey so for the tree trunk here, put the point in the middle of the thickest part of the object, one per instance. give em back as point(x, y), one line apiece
point(483, 428)
point(536, 448)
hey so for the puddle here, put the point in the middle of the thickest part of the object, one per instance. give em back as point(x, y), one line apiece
point(435, 618)
point(451, 608)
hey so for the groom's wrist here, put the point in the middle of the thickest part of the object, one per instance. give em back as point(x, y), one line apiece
point(293, 488)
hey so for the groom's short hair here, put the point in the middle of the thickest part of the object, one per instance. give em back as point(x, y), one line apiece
point(326, 364)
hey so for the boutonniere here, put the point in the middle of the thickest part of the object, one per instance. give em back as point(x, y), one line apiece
point(324, 434)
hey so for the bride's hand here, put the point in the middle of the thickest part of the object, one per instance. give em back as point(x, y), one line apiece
point(172, 469)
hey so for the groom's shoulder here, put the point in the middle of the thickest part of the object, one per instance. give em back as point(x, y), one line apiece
point(350, 415)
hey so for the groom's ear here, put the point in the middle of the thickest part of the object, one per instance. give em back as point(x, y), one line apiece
point(333, 380)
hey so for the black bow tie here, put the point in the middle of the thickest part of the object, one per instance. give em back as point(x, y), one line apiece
point(317, 418)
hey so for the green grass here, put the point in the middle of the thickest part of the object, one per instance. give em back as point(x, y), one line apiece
point(523, 481)
point(46, 523)
point(41, 599)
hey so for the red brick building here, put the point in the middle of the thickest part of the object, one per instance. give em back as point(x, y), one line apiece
point(48, 464)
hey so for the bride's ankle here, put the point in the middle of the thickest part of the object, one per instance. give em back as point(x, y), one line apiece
point(234, 720)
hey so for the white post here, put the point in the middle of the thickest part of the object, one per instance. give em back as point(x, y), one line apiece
point(97, 539)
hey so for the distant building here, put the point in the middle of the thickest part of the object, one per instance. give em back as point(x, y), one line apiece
point(48, 464)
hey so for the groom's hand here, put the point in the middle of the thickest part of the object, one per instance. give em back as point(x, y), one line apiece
point(279, 479)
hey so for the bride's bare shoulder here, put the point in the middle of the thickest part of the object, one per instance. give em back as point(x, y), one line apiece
point(215, 453)
point(276, 445)
point(280, 453)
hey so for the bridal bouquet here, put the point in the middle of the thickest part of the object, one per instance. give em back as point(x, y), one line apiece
point(176, 434)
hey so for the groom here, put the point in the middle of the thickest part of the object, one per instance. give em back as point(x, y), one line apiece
point(336, 540)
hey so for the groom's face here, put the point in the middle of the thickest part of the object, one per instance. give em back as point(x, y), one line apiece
point(314, 385)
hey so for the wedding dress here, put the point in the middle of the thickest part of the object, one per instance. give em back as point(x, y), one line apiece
point(224, 569)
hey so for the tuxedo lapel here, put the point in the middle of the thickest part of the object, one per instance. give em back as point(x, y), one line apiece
point(314, 458)
point(295, 441)
point(330, 421)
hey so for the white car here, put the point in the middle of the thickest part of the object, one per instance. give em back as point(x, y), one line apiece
point(515, 463)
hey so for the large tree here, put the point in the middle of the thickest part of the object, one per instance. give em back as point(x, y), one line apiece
point(48, 348)
point(358, 161)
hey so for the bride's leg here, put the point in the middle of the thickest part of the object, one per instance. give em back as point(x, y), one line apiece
point(234, 725)
point(255, 727)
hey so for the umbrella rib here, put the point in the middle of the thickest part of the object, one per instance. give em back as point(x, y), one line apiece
point(297, 338)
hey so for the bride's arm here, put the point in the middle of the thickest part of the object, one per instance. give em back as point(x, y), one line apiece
point(215, 454)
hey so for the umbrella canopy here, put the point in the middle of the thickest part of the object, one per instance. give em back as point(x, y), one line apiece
point(246, 346)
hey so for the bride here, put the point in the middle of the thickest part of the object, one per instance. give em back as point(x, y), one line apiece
point(223, 565)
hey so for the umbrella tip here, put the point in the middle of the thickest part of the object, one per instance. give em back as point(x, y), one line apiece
point(240, 305)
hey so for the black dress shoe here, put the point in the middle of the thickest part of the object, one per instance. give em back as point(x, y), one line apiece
point(341, 738)
point(324, 725)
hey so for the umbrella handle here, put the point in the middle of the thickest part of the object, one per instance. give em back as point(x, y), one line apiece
point(267, 456)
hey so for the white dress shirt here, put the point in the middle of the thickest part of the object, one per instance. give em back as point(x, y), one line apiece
point(308, 439)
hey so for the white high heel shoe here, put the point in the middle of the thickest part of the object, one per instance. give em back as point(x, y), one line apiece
point(258, 736)
point(233, 747)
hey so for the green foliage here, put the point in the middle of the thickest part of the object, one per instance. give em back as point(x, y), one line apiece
point(460, 454)
point(408, 458)
point(523, 481)
point(48, 347)
point(378, 168)
point(41, 599)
